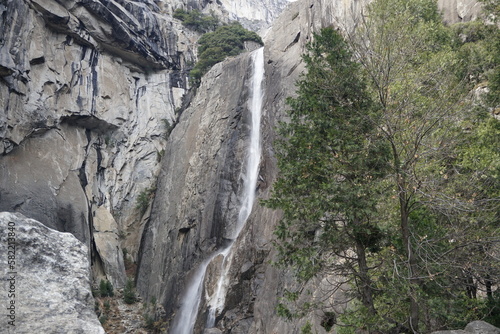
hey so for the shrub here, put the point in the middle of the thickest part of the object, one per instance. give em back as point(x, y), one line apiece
point(214, 47)
point(103, 319)
point(129, 296)
point(144, 199)
point(106, 289)
point(149, 321)
point(197, 21)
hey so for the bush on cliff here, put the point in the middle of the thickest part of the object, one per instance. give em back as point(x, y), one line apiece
point(214, 47)
point(197, 21)
point(129, 296)
point(106, 289)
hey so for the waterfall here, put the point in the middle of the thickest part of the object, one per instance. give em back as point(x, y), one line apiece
point(186, 316)
point(217, 300)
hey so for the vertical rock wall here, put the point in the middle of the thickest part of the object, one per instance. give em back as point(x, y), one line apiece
point(86, 90)
point(196, 199)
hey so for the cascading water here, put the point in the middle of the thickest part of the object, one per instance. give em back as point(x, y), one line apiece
point(217, 300)
point(186, 316)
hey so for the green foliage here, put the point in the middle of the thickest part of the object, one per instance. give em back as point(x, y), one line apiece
point(476, 52)
point(358, 318)
point(306, 329)
point(214, 47)
point(106, 289)
point(154, 326)
point(148, 321)
point(107, 306)
point(331, 160)
point(144, 199)
point(492, 41)
point(129, 295)
point(389, 176)
point(479, 47)
point(491, 10)
point(197, 21)
point(103, 319)
point(492, 310)
point(283, 311)
point(482, 153)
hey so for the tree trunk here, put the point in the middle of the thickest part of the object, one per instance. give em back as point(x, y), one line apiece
point(365, 287)
point(408, 249)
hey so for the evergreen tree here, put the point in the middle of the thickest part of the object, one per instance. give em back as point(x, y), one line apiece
point(377, 161)
point(331, 160)
point(214, 47)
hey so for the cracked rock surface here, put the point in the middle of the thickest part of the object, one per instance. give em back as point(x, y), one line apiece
point(51, 284)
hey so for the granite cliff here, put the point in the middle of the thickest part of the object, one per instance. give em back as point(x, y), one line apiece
point(90, 90)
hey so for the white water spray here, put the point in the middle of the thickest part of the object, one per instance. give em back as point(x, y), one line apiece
point(186, 317)
point(217, 300)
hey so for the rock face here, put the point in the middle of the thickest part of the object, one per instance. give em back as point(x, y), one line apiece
point(253, 14)
point(88, 91)
point(50, 287)
point(459, 10)
point(87, 88)
point(474, 327)
point(198, 183)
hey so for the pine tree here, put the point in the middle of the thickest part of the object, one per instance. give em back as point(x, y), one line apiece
point(331, 160)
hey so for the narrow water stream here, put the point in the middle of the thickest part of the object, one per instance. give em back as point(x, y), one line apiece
point(186, 316)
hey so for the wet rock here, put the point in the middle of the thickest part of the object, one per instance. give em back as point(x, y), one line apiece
point(196, 204)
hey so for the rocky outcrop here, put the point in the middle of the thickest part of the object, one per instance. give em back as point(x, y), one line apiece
point(455, 11)
point(253, 14)
point(198, 183)
point(46, 279)
point(474, 327)
point(87, 89)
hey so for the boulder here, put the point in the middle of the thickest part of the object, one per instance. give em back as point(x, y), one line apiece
point(481, 327)
point(474, 327)
point(45, 278)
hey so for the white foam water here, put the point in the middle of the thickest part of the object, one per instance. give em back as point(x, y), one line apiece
point(186, 316)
